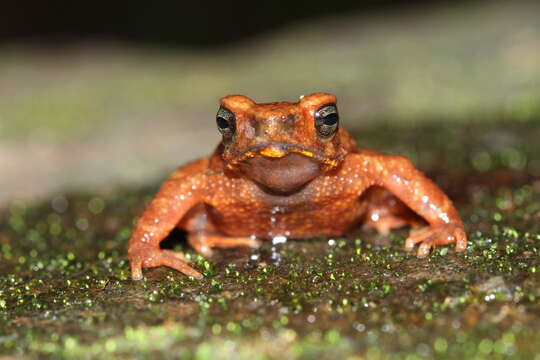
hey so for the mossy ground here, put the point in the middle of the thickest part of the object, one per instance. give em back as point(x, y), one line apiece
point(65, 290)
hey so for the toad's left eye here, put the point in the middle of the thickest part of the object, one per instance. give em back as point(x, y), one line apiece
point(327, 120)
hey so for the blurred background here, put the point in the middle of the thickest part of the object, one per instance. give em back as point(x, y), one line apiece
point(101, 95)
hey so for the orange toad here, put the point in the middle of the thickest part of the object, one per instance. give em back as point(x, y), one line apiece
point(288, 170)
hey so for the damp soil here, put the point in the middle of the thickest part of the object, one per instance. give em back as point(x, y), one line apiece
point(65, 290)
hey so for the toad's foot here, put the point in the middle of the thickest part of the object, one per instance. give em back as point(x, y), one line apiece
point(152, 257)
point(203, 242)
point(434, 235)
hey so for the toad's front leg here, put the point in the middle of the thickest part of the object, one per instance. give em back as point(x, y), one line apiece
point(176, 196)
point(399, 176)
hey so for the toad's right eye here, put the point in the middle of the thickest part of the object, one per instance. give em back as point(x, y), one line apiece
point(226, 122)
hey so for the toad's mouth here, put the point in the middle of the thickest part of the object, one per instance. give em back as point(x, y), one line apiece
point(278, 151)
point(282, 168)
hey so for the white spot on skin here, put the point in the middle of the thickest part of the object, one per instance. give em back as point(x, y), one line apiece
point(444, 217)
point(375, 217)
point(276, 210)
point(280, 239)
point(425, 198)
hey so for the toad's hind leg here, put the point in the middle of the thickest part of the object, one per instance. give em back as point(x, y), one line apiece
point(385, 212)
point(203, 235)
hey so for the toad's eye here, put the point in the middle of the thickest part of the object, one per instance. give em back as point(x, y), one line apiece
point(327, 120)
point(226, 122)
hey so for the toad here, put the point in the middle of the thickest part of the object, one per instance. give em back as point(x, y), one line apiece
point(289, 170)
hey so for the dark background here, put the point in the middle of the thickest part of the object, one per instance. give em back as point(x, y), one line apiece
point(180, 23)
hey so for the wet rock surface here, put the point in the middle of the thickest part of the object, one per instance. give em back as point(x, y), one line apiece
point(65, 289)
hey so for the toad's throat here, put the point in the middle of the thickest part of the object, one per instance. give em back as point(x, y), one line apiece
point(281, 175)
